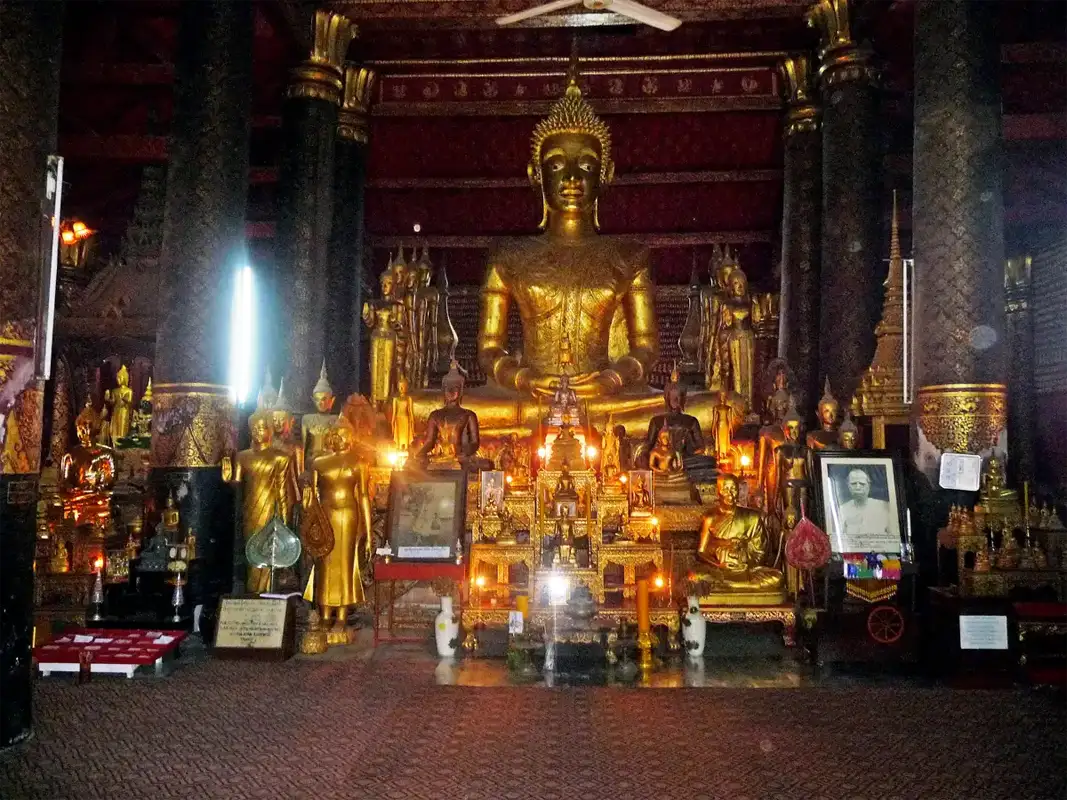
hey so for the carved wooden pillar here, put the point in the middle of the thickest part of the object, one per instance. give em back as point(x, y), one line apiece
point(344, 335)
point(798, 333)
point(30, 47)
point(958, 233)
point(203, 246)
point(305, 212)
point(851, 264)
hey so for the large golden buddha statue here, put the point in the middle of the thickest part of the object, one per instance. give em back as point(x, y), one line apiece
point(586, 302)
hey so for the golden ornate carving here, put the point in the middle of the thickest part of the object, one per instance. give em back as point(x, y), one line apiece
point(963, 417)
point(320, 76)
point(21, 402)
point(801, 112)
point(355, 104)
point(193, 425)
point(841, 59)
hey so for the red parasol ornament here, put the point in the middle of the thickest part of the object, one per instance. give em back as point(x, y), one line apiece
point(807, 548)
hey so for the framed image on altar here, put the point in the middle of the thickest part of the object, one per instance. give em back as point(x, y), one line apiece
point(492, 492)
point(859, 499)
point(640, 483)
point(427, 514)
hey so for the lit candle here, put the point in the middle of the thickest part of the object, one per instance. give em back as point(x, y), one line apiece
point(522, 604)
point(643, 622)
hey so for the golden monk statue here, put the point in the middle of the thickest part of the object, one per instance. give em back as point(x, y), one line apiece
point(268, 485)
point(87, 472)
point(451, 431)
point(340, 487)
point(315, 428)
point(402, 418)
point(734, 546)
point(828, 410)
point(120, 405)
point(568, 284)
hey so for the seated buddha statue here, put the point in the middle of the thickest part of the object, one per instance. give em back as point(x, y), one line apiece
point(686, 437)
point(733, 550)
point(569, 281)
point(564, 407)
point(452, 435)
point(87, 472)
point(670, 484)
point(565, 489)
point(995, 500)
point(828, 411)
point(566, 451)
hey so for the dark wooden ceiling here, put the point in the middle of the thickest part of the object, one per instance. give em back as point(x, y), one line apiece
point(115, 107)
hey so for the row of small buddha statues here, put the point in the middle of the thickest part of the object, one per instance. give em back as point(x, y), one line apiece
point(1000, 548)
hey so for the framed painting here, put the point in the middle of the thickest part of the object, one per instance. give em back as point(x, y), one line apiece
point(859, 499)
point(427, 514)
point(640, 483)
point(492, 494)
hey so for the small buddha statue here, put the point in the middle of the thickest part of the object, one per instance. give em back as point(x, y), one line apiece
point(452, 436)
point(670, 484)
point(283, 421)
point(60, 560)
point(778, 381)
point(87, 472)
point(848, 435)
point(994, 498)
point(610, 460)
point(565, 489)
point(521, 469)
point(563, 536)
point(402, 417)
point(828, 411)
point(267, 480)
point(315, 428)
point(724, 419)
point(564, 407)
point(791, 471)
point(141, 420)
point(686, 437)
point(119, 402)
point(734, 548)
point(566, 451)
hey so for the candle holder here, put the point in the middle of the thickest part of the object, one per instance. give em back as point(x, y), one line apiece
point(645, 643)
point(96, 599)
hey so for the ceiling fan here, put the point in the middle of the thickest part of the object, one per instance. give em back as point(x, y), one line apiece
point(626, 8)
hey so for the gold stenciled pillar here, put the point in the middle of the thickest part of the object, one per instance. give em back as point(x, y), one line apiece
point(203, 247)
point(958, 233)
point(344, 333)
point(1019, 325)
point(798, 333)
point(851, 271)
point(305, 210)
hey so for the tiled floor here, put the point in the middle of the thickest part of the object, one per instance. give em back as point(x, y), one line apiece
point(397, 723)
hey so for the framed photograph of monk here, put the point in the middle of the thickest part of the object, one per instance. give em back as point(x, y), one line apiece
point(860, 500)
point(426, 514)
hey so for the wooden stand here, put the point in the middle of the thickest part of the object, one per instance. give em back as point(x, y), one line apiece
point(256, 628)
point(393, 571)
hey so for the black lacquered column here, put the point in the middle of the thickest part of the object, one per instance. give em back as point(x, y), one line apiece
point(852, 269)
point(305, 210)
point(344, 335)
point(30, 48)
point(958, 232)
point(1019, 328)
point(798, 332)
point(203, 247)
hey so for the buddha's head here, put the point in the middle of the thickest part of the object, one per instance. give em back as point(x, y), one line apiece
point(829, 408)
point(737, 284)
point(728, 491)
point(123, 376)
point(322, 394)
point(261, 428)
point(848, 434)
point(402, 387)
point(793, 424)
point(86, 423)
point(663, 439)
point(342, 436)
point(452, 385)
point(282, 414)
point(386, 282)
point(571, 157)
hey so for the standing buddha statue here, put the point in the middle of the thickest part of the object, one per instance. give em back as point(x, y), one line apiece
point(283, 421)
point(379, 316)
point(315, 428)
point(610, 458)
point(120, 404)
point(340, 485)
point(568, 282)
point(737, 337)
point(402, 418)
point(452, 436)
point(268, 485)
point(779, 397)
point(828, 412)
point(792, 479)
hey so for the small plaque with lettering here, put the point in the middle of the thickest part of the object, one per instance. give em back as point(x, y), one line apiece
point(255, 628)
point(983, 632)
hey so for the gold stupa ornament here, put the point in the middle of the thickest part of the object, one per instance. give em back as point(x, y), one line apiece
point(572, 114)
point(881, 390)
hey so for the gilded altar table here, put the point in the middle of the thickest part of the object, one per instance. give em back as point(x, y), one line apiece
point(629, 556)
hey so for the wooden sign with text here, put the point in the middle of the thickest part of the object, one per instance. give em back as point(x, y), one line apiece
point(256, 628)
